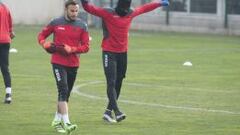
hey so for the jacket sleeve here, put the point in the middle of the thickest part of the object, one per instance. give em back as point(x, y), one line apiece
point(145, 8)
point(84, 45)
point(94, 10)
point(47, 30)
point(10, 23)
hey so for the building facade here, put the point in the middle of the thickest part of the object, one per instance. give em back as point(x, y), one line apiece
point(34, 12)
point(202, 16)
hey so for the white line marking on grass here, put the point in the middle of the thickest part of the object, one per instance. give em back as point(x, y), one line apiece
point(179, 87)
point(77, 88)
point(143, 85)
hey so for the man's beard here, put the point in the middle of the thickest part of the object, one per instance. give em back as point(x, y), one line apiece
point(69, 18)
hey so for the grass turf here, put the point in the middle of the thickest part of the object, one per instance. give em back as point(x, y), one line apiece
point(159, 95)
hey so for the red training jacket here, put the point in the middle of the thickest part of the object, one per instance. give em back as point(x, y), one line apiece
point(5, 24)
point(72, 33)
point(115, 28)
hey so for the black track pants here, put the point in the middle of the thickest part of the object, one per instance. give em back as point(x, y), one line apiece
point(115, 67)
point(65, 78)
point(4, 63)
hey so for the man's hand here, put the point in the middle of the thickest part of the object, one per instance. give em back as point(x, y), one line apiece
point(60, 48)
point(70, 49)
point(51, 49)
point(45, 44)
point(48, 46)
point(12, 35)
point(164, 3)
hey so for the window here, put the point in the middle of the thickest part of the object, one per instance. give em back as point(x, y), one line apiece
point(178, 5)
point(203, 6)
point(233, 6)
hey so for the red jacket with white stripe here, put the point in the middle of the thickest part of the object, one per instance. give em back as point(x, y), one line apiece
point(72, 33)
point(115, 28)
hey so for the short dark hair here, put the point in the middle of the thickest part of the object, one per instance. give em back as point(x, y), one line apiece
point(70, 2)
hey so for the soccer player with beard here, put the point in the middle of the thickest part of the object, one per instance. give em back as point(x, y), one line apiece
point(70, 39)
point(116, 23)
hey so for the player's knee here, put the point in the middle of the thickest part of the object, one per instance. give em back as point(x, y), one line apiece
point(4, 69)
point(120, 77)
point(62, 95)
point(111, 83)
point(68, 96)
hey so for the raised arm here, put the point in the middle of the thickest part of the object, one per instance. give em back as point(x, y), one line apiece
point(94, 10)
point(149, 7)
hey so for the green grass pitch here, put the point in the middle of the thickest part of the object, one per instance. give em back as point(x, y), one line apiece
point(159, 95)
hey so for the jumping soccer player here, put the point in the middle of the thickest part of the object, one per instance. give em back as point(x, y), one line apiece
point(71, 39)
point(116, 23)
point(6, 34)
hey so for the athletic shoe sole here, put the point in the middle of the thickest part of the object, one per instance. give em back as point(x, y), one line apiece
point(121, 117)
point(7, 100)
point(58, 127)
point(108, 119)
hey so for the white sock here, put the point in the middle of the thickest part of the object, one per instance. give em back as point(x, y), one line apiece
point(8, 90)
point(58, 117)
point(65, 118)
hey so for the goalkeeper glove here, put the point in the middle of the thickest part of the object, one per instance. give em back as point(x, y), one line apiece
point(61, 49)
point(64, 49)
point(48, 46)
point(57, 48)
point(164, 3)
point(51, 49)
